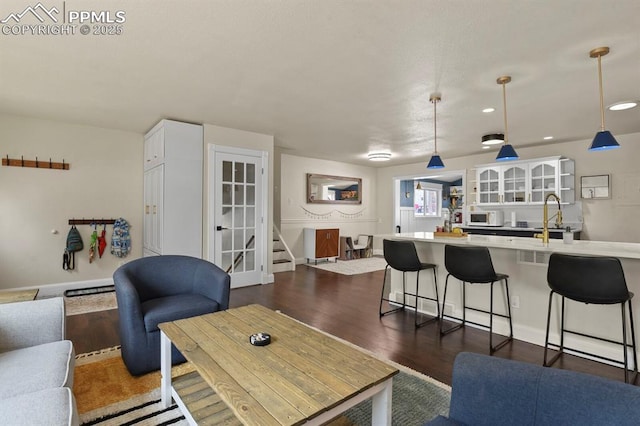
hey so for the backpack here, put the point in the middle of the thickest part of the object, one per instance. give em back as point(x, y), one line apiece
point(120, 240)
point(74, 244)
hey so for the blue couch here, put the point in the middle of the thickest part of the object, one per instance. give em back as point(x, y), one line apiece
point(158, 289)
point(494, 391)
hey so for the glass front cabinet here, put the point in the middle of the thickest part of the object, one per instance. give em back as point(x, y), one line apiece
point(525, 182)
point(514, 184)
point(488, 185)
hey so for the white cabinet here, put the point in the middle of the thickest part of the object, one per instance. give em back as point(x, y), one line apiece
point(173, 175)
point(488, 184)
point(513, 179)
point(153, 209)
point(154, 147)
point(525, 182)
point(552, 176)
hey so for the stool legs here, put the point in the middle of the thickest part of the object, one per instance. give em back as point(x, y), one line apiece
point(491, 313)
point(492, 348)
point(416, 296)
point(625, 346)
point(561, 348)
point(387, 269)
point(437, 300)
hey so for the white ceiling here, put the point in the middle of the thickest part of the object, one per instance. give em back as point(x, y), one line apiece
point(336, 79)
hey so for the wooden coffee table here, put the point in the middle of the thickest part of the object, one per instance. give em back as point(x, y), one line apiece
point(303, 376)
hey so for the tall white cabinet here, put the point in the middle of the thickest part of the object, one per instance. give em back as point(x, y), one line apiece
point(173, 175)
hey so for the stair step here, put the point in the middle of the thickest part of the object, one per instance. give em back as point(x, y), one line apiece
point(275, 261)
point(278, 250)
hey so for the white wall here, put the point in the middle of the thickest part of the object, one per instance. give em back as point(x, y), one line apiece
point(604, 220)
point(296, 213)
point(216, 135)
point(104, 181)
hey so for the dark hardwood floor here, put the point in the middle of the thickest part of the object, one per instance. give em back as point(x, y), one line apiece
point(347, 307)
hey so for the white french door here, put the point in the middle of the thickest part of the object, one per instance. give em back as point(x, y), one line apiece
point(236, 219)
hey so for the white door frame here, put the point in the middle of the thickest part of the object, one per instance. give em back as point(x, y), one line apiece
point(261, 226)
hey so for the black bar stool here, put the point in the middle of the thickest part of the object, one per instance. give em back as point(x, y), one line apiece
point(402, 256)
point(473, 265)
point(596, 280)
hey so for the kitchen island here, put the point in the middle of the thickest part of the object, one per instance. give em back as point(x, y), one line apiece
point(525, 260)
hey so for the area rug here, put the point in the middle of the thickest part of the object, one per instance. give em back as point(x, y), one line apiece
point(107, 395)
point(90, 303)
point(353, 267)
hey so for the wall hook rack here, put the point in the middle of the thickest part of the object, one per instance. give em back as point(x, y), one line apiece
point(21, 162)
point(84, 221)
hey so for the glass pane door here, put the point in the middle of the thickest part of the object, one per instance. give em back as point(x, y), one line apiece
point(237, 219)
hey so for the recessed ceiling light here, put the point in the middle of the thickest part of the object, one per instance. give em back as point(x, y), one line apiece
point(548, 138)
point(621, 106)
point(379, 156)
point(488, 110)
point(493, 139)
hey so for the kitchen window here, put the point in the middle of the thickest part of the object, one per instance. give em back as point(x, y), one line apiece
point(427, 201)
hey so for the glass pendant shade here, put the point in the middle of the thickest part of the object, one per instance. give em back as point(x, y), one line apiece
point(435, 162)
point(604, 140)
point(507, 153)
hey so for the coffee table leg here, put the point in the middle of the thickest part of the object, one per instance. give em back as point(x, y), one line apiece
point(165, 369)
point(381, 411)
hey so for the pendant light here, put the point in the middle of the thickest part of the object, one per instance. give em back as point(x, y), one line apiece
point(506, 151)
point(436, 161)
point(603, 139)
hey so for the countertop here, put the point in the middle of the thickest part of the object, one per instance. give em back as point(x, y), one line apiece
point(579, 247)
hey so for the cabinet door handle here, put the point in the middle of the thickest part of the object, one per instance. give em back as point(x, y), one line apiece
point(154, 209)
point(146, 209)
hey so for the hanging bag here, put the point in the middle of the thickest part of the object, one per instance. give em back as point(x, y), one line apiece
point(74, 244)
point(120, 240)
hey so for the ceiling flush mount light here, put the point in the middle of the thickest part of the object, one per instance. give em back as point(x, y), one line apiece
point(548, 138)
point(506, 151)
point(379, 156)
point(604, 139)
point(493, 139)
point(621, 106)
point(487, 110)
point(436, 161)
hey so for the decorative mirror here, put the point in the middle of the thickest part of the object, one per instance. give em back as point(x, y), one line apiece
point(595, 186)
point(325, 189)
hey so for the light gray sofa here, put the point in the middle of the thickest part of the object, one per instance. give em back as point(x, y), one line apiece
point(36, 365)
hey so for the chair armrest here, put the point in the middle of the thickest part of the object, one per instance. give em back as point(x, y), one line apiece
point(129, 307)
point(25, 324)
point(214, 283)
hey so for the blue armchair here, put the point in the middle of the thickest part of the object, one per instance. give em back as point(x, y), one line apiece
point(158, 289)
point(493, 391)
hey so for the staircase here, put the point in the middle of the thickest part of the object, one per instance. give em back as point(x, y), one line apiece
point(283, 259)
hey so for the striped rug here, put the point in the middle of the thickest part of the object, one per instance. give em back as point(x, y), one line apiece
point(107, 395)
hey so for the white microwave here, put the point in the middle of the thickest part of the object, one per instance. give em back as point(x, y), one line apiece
point(486, 218)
